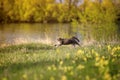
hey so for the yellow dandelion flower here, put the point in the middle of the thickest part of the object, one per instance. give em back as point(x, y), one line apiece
point(93, 79)
point(80, 52)
point(109, 47)
point(63, 77)
point(4, 78)
point(114, 50)
point(71, 73)
point(118, 47)
point(96, 54)
point(87, 77)
point(76, 58)
point(24, 76)
point(106, 62)
point(65, 69)
point(73, 61)
point(99, 46)
point(41, 76)
point(58, 51)
point(49, 68)
point(80, 67)
point(101, 61)
point(52, 78)
point(93, 51)
point(113, 60)
point(70, 68)
point(97, 64)
point(61, 62)
point(107, 76)
point(67, 55)
point(97, 58)
point(54, 67)
point(103, 57)
point(85, 59)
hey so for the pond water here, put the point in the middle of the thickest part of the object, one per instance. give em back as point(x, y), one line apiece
point(14, 33)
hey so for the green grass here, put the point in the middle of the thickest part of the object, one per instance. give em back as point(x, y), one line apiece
point(45, 62)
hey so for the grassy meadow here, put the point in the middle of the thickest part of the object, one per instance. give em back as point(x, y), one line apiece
point(45, 62)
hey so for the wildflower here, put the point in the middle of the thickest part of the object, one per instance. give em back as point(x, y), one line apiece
point(96, 64)
point(54, 67)
point(67, 55)
point(103, 57)
point(107, 76)
point(76, 58)
point(63, 77)
point(58, 51)
point(93, 51)
point(41, 76)
point(85, 59)
point(24, 76)
point(109, 47)
point(114, 49)
point(96, 54)
point(73, 61)
point(4, 78)
point(80, 67)
point(93, 79)
point(88, 55)
point(106, 62)
point(70, 68)
point(52, 78)
point(61, 62)
point(113, 60)
point(118, 47)
point(35, 77)
point(65, 69)
point(101, 62)
point(80, 52)
point(71, 73)
point(49, 68)
point(99, 46)
point(87, 77)
point(97, 58)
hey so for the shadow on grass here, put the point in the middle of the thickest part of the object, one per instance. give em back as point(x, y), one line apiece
point(16, 67)
point(27, 48)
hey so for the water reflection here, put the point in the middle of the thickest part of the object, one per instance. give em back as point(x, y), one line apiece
point(29, 33)
point(48, 33)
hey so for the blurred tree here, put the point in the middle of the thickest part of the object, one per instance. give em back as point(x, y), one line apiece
point(84, 11)
point(1, 12)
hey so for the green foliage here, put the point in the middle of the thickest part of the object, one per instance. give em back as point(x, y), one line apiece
point(66, 11)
